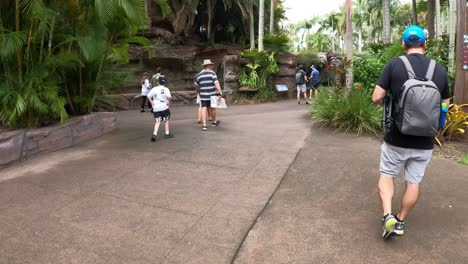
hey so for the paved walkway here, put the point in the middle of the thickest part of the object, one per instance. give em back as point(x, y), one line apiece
point(200, 197)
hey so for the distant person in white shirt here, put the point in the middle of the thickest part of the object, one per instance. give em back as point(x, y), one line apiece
point(160, 98)
point(145, 89)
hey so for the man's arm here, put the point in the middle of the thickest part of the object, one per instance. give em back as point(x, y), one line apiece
point(378, 95)
point(218, 87)
point(446, 101)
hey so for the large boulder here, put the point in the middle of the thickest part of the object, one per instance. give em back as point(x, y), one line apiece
point(286, 58)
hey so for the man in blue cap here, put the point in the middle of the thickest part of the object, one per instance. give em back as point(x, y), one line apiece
point(401, 150)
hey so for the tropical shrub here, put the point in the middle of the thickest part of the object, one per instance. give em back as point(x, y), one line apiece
point(456, 123)
point(277, 43)
point(56, 55)
point(367, 69)
point(348, 111)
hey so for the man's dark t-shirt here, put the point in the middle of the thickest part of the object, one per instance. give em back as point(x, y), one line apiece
point(394, 76)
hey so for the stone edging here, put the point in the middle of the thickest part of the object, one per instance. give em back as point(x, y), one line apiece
point(20, 145)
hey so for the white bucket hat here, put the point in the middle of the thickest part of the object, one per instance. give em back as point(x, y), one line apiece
point(207, 62)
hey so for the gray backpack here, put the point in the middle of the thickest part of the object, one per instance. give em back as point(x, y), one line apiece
point(418, 109)
point(300, 77)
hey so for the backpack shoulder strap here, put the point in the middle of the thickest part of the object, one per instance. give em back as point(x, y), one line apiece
point(408, 67)
point(431, 70)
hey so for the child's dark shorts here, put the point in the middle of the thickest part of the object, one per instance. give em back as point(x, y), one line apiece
point(162, 116)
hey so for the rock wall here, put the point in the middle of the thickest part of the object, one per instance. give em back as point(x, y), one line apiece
point(287, 72)
point(20, 145)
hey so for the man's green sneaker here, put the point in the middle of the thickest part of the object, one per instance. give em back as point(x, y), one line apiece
point(388, 222)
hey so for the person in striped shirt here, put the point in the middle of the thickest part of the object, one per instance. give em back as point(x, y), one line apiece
point(207, 85)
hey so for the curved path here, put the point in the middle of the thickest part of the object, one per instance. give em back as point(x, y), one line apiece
point(266, 187)
point(124, 199)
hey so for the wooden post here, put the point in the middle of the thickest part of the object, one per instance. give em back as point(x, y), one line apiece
point(461, 80)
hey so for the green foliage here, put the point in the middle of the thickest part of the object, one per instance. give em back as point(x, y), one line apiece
point(255, 56)
point(456, 123)
point(367, 69)
point(308, 57)
point(463, 160)
point(60, 55)
point(348, 111)
point(32, 103)
point(272, 66)
point(275, 43)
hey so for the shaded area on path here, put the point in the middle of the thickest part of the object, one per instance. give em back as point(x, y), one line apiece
point(123, 199)
point(327, 210)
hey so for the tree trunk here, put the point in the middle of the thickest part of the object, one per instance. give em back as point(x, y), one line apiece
point(386, 21)
point(19, 51)
point(430, 18)
point(438, 24)
point(415, 13)
point(461, 81)
point(452, 30)
point(272, 16)
point(360, 39)
point(349, 42)
point(252, 25)
point(261, 24)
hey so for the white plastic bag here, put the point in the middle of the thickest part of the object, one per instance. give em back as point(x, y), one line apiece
point(218, 102)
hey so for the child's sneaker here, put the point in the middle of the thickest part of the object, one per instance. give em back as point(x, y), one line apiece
point(215, 124)
point(204, 128)
point(400, 228)
point(142, 110)
point(388, 223)
point(153, 138)
point(166, 136)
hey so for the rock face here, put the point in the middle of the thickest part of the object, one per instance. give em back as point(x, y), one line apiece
point(21, 145)
point(287, 72)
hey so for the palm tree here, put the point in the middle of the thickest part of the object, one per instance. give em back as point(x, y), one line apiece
point(272, 15)
point(415, 12)
point(430, 18)
point(386, 21)
point(349, 42)
point(452, 31)
point(438, 26)
point(252, 25)
point(261, 24)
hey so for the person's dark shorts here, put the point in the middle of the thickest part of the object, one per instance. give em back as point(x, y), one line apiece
point(314, 84)
point(206, 103)
point(163, 115)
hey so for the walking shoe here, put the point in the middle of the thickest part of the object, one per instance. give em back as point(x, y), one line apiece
point(215, 124)
point(153, 138)
point(298, 102)
point(400, 228)
point(388, 223)
point(142, 110)
point(204, 128)
point(166, 136)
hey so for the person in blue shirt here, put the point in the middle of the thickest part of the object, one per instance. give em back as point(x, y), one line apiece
point(313, 81)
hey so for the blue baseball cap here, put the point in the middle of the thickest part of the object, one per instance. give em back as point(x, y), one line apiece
point(162, 79)
point(414, 34)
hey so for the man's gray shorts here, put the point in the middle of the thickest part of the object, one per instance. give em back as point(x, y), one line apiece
point(301, 88)
point(415, 162)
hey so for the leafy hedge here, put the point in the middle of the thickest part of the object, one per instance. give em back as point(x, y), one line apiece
point(351, 111)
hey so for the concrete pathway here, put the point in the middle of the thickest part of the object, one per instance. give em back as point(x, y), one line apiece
point(327, 210)
point(266, 187)
point(124, 199)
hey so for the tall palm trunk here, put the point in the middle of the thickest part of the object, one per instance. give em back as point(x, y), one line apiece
point(430, 18)
point(438, 24)
point(261, 24)
point(415, 13)
point(452, 30)
point(272, 16)
point(252, 25)
point(386, 21)
point(19, 51)
point(349, 42)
